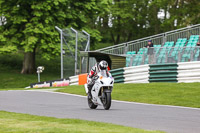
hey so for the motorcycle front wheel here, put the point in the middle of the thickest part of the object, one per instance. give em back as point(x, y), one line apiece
point(106, 101)
point(91, 104)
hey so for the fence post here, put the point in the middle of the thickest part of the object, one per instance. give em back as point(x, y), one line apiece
point(164, 38)
point(61, 49)
point(125, 48)
point(75, 49)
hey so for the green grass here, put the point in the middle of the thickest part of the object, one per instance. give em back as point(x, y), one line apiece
point(13, 78)
point(179, 94)
point(10, 68)
point(23, 123)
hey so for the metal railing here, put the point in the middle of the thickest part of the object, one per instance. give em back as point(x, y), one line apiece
point(160, 39)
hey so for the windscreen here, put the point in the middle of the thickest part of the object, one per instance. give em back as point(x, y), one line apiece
point(104, 73)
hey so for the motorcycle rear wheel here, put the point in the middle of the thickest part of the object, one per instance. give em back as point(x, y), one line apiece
point(91, 104)
point(107, 101)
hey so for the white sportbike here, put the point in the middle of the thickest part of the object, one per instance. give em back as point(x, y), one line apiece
point(101, 91)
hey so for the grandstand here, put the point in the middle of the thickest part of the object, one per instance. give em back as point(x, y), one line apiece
point(170, 47)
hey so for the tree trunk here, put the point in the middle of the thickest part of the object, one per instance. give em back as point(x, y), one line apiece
point(113, 38)
point(29, 63)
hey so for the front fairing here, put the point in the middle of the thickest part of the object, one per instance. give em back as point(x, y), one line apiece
point(105, 80)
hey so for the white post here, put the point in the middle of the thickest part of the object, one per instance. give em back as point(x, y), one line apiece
point(38, 77)
point(87, 48)
point(76, 49)
point(39, 70)
point(88, 42)
point(61, 49)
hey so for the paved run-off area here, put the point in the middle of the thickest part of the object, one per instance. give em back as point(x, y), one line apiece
point(145, 116)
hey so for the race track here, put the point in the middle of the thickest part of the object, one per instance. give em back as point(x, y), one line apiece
point(146, 116)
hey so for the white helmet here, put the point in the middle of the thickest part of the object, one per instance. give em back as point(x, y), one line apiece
point(103, 65)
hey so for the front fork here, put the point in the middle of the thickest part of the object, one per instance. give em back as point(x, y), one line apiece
point(105, 90)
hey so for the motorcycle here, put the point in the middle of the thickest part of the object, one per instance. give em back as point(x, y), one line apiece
point(101, 90)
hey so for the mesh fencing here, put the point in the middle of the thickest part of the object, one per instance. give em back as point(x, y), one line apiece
point(69, 51)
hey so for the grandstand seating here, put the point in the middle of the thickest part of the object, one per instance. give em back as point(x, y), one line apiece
point(129, 56)
point(181, 48)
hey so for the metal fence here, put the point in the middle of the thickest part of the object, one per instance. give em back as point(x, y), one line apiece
point(164, 55)
point(160, 39)
point(72, 42)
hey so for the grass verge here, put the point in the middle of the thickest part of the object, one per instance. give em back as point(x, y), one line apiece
point(10, 68)
point(13, 79)
point(23, 123)
point(179, 94)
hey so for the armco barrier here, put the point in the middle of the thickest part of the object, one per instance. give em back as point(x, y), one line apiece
point(188, 72)
point(136, 74)
point(163, 73)
point(182, 72)
point(73, 80)
point(118, 75)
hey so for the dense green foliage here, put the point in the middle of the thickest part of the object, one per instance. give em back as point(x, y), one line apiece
point(132, 19)
point(24, 123)
point(29, 26)
point(179, 94)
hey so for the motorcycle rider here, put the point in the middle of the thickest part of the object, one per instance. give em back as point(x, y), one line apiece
point(102, 65)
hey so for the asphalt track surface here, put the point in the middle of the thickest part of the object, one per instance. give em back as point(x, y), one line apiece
point(146, 116)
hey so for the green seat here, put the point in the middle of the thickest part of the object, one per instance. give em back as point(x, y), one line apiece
point(195, 39)
point(194, 45)
point(133, 52)
point(129, 53)
point(171, 45)
point(146, 60)
point(145, 50)
point(159, 60)
point(177, 44)
point(192, 36)
point(184, 39)
point(166, 44)
point(179, 40)
point(141, 51)
point(197, 36)
point(174, 53)
point(182, 45)
point(189, 43)
point(157, 46)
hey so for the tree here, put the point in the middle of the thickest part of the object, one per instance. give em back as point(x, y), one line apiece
point(30, 25)
point(132, 19)
point(124, 21)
